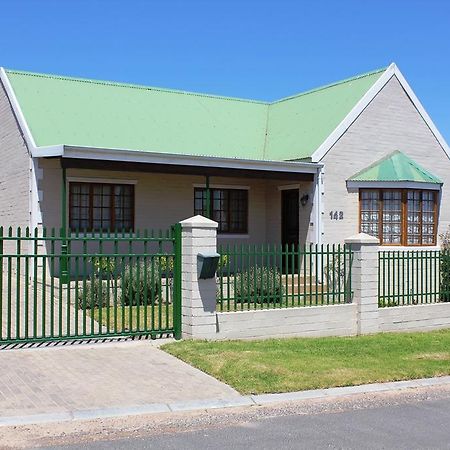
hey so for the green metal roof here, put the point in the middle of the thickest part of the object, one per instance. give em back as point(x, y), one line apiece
point(89, 113)
point(298, 125)
point(396, 167)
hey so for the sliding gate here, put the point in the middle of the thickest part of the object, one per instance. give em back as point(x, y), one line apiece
point(83, 286)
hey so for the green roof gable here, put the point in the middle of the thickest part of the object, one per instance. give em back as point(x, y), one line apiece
point(88, 113)
point(298, 125)
point(396, 167)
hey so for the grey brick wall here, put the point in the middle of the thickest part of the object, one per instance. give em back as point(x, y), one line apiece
point(314, 321)
point(415, 318)
point(14, 169)
point(389, 123)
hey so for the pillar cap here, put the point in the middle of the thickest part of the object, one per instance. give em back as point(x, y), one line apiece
point(198, 222)
point(362, 238)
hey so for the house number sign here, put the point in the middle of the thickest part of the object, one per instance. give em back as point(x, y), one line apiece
point(337, 215)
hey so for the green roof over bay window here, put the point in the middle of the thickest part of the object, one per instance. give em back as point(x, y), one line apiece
point(99, 114)
point(396, 167)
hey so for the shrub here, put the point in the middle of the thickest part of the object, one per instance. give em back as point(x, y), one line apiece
point(166, 264)
point(140, 284)
point(95, 293)
point(223, 263)
point(103, 265)
point(445, 267)
point(337, 277)
point(445, 276)
point(385, 303)
point(259, 285)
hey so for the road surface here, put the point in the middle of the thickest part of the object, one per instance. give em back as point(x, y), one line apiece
point(416, 419)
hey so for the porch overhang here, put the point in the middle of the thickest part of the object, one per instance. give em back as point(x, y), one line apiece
point(143, 161)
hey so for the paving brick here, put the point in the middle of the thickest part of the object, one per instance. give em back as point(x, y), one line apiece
point(103, 376)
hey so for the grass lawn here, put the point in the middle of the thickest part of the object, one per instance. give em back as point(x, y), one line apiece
point(125, 323)
point(284, 365)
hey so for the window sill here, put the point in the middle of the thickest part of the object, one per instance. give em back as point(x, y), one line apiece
point(403, 248)
point(232, 236)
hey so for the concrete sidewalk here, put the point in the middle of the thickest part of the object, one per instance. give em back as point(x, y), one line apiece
point(71, 379)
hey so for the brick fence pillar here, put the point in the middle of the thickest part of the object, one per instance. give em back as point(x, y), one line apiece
point(198, 297)
point(365, 281)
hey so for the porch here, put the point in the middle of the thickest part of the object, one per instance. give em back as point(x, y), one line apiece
point(95, 240)
point(254, 203)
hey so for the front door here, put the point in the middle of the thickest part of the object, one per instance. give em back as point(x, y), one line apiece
point(290, 217)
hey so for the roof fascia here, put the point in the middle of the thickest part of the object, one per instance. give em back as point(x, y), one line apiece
point(187, 160)
point(353, 114)
point(17, 110)
point(52, 150)
point(353, 184)
point(48, 151)
point(391, 71)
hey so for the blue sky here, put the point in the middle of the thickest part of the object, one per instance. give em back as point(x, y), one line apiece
point(253, 49)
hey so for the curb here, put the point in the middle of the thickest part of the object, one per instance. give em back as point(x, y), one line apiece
point(232, 402)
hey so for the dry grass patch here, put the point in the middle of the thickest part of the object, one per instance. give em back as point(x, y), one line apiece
point(442, 356)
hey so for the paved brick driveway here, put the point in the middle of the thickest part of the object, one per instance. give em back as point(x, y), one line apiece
point(106, 375)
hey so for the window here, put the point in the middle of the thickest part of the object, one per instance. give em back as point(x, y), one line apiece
point(399, 217)
point(101, 207)
point(229, 208)
point(391, 217)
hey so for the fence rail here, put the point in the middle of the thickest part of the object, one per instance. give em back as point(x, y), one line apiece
point(274, 276)
point(58, 287)
point(413, 277)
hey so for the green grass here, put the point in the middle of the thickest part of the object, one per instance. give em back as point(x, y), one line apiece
point(145, 321)
point(286, 365)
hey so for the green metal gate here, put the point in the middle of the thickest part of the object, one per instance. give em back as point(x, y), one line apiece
point(82, 286)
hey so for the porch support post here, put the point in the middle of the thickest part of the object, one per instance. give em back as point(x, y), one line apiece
point(317, 206)
point(198, 310)
point(64, 275)
point(208, 198)
point(365, 281)
point(63, 199)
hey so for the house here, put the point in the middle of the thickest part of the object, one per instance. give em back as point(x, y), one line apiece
point(357, 155)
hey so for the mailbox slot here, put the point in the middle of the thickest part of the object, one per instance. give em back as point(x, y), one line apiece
point(207, 264)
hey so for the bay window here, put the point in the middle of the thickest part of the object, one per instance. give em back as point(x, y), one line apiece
point(399, 216)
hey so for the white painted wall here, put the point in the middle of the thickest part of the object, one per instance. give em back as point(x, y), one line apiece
point(313, 321)
point(390, 122)
point(336, 320)
point(415, 317)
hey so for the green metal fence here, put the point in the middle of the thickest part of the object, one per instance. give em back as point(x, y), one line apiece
point(413, 277)
point(274, 276)
point(57, 287)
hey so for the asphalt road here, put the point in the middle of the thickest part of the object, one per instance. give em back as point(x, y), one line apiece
point(416, 425)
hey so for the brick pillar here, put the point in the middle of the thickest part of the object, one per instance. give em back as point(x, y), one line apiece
point(365, 281)
point(198, 297)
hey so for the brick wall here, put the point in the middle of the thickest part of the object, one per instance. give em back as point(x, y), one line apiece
point(414, 317)
point(389, 123)
point(14, 169)
point(314, 321)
